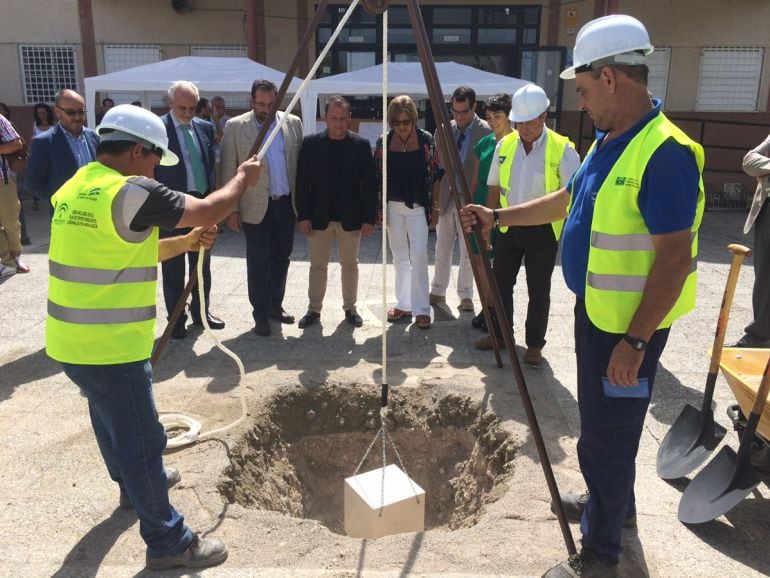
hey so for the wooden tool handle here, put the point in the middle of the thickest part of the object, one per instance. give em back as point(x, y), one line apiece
point(764, 386)
point(737, 249)
point(739, 252)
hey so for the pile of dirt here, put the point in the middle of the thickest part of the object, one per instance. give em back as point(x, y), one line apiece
point(304, 443)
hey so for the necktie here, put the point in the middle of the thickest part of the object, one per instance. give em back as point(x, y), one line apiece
point(460, 140)
point(199, 172)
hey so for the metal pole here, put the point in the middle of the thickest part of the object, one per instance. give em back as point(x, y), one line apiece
point(453, 156)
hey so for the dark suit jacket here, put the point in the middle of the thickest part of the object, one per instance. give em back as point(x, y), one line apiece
point(359, 192)
point(175, 177)
point(51, 161)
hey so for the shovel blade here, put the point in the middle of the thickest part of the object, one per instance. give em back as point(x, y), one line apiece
point(717, 488)
point(688, 443)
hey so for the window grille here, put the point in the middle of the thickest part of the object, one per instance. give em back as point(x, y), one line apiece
point(729, 78)
point(659, 63)
point(46, 69)
point(122, 56)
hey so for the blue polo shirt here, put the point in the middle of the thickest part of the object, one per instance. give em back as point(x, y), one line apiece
point(668, 195)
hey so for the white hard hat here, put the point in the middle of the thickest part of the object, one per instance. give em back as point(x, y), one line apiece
point(621, 37)
point(127, 122)
point(529, 102)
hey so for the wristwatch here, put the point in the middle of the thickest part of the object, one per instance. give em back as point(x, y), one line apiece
point(638, 344)
point(495, 219)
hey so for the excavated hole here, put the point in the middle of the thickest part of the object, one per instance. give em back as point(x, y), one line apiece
point(305, 443)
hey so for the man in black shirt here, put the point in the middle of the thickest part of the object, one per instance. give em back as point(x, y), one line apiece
point(336, 199)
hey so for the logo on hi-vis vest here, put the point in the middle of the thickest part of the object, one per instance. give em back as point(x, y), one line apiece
point(92, 195)
point(626, 182)
point(61, 211)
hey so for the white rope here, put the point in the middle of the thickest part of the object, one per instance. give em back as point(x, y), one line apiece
point(190, 426)
point(385, 197)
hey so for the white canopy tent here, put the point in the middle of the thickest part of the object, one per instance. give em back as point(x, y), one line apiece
point(403, 78)
point(212, 74)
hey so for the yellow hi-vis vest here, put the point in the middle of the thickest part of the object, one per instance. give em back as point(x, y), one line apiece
point(102, 283)
point(554, 151)
point(621, 253)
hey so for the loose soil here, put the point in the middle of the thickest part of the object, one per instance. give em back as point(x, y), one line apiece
point(303, 445)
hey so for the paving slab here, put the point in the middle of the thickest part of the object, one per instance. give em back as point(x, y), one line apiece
point(59, 512)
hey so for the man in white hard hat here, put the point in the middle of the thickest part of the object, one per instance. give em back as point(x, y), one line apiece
point(628, 253)
point(101, 310)
point(530, 162)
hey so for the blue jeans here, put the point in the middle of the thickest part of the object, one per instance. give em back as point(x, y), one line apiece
point(610, 429)
point(132, 440)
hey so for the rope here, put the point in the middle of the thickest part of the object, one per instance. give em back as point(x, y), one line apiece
point(191, 427)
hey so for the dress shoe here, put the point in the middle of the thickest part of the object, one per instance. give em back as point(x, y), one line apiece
point(583, 565)
point(179, 332)
point(480, 322)
point(173, 477)
point(466, 305)
point(214, 322)
point(282, 316)
point(423, 321)
point(308, 319)
point(434, 299)
point(262, 327)
point(21, 266)
point(396, 314)
point(533, 356)
point(574, 504)
point(353, 318)
point(485, 343)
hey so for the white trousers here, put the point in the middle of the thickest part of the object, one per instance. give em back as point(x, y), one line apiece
point(408, 240)
point(447, 230)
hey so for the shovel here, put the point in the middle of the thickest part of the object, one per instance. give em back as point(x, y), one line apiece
point(694, 434)
point(729, 477)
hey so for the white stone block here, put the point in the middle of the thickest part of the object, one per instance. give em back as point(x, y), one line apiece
point(368, 515)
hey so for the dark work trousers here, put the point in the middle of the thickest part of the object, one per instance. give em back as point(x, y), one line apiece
point(759, 328)
point(610, 428)
point(537, 247)
point(268, 248)
point(174, 279)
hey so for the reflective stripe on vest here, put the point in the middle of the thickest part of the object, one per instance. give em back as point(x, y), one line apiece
point(555, 144)
point(622, 254)
point(102, 285)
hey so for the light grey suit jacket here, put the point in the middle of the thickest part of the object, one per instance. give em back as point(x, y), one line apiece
point(479, 131)
point(239, 136)
point(757, 164)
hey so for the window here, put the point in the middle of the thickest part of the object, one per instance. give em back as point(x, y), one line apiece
point(659, 62)
point(232, 100)
point(46, 69)
point(121, 56)
point(729, 78)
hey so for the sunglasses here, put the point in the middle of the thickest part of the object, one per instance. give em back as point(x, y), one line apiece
point(71, 112)
point(401, 122)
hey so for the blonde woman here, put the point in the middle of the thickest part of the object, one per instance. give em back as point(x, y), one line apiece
point(413, 183)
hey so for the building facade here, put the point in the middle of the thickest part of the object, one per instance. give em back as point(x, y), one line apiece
point(710, 67)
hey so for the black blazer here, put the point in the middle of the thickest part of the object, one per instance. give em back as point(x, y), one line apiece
point(359, 193)
point(175, 177)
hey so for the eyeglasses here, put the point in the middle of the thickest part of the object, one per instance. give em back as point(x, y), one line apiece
point(71, 112)
point(455, 111)
point(401, 122)
point(157, 151)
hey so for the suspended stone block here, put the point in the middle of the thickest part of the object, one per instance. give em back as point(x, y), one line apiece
point(370, 513)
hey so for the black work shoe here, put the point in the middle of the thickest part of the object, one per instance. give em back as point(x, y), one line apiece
point(479, 322)
point(201, 553)
point(214, 322)
point(574, 504)
point(173, 477)
point(262, 327)
point(353, 318)
point(308, 319)
point(179, 332)
point(749, 341)
point(282, 316)
point(584, 565)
